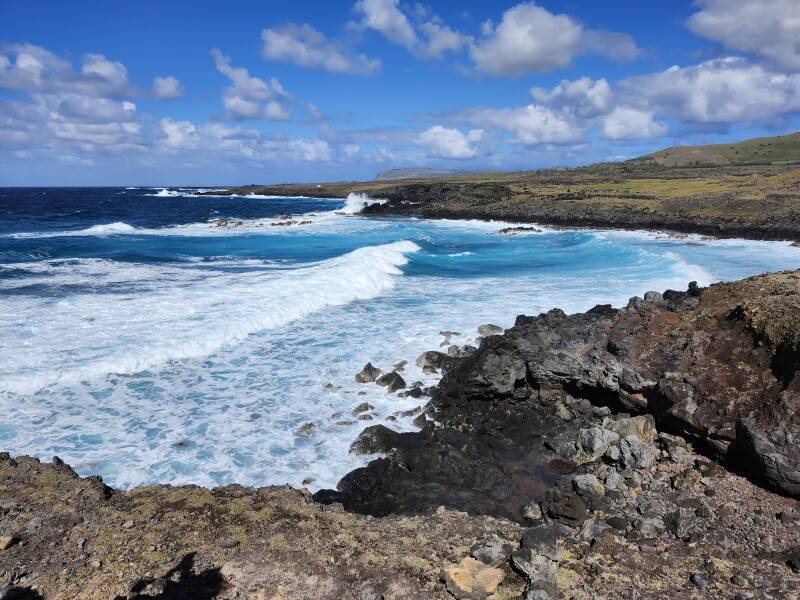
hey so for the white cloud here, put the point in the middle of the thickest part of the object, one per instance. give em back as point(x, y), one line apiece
point(583, 97)
point(625, 123)
point(311, 150)
point(531, 39)
point(726, 90)
point(99, 67)
point(766, 28)
point(250, 97)
point(440, 38)
point(385, 17)
point(305, 46)
point(167, 88)
point(532, 124)
point(528, 39)
point(442, 142)
point(429, 37)
point(31, 68)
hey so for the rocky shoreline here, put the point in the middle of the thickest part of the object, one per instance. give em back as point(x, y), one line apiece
point(745, 202)
point(649, 451)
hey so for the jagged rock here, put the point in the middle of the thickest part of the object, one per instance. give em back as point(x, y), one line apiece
point(680, 522)
point(362, 408)
point(374, 439)
point(538, 556)
point(564, 505)
point(642, 427)
point(493, 552)
point(487, 330)
point(588, 485)
point(431, 360)
point(471, 579)
point(391, 381)
point(368, 374)
point(593, 443)
point(636, 454)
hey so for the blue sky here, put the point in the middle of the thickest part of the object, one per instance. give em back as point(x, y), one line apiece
point(99, 93)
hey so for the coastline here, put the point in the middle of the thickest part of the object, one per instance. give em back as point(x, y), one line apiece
point(569, 458)
point(757, 202)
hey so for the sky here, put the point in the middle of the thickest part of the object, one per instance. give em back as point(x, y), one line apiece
point(211, 93)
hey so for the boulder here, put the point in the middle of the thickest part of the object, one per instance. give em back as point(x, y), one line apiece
point(362, 408)
point(391, 381)
point(471, 579)
point(593, 443)
point(487, 330)
point(368, 374)
point(636, 454)
point(588, 485)
point(538, 556)
point(374, 439)
point(493, 552)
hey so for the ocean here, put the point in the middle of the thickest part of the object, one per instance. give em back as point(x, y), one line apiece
point(142, 341)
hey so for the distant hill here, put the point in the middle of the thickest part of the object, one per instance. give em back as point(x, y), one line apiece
point(415, 173)
point(782, 149)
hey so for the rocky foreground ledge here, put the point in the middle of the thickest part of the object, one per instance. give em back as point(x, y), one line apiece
point(652, 451)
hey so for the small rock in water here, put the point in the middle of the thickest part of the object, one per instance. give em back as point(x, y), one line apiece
point(400, 366)
point(368, 374)
point(489, 329)
point(392, 382)
point(306, 429)
point(363, 407)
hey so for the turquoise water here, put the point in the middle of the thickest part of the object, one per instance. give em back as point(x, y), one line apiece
point(143, 343)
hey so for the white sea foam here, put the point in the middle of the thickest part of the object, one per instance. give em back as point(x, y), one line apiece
point(84, 336)
point(355, 203)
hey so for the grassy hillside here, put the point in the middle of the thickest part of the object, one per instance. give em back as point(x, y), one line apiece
point(784, 149)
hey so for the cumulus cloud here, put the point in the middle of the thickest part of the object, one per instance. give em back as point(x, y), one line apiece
point(425, 35)
point(304, 46)
point(31, 68)
point(440, 39)
point(167, 88)
point(217, 139)
point(624, 123)
point(725, 90)
point(250, 97)
point(70, 121)
point(385, 17)
point(442, 142)
point(766, 28)
point(528, 39)
point(531, 124)
point(531, 39)
point(584, 97)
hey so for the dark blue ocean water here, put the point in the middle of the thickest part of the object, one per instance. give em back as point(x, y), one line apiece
point(142, 342)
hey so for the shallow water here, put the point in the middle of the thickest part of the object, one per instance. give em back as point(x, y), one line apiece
point(143, 343)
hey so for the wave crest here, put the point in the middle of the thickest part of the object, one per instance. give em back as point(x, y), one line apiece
point(185, 316)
